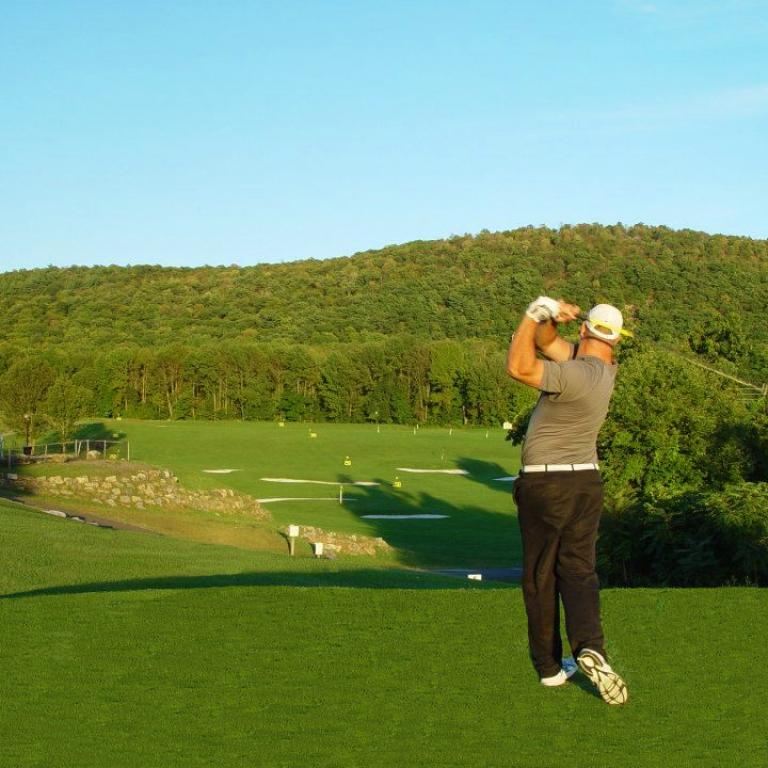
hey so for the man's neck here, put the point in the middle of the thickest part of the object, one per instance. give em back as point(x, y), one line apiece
point(595, 348)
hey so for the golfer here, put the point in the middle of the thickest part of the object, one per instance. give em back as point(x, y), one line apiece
point(559, 492)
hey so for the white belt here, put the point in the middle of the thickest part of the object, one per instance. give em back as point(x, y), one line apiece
point(557, 467)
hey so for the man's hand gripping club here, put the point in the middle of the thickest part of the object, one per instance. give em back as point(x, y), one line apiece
point(543, 308)
point(537, 330)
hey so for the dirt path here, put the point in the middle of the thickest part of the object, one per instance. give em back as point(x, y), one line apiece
point(82, 517)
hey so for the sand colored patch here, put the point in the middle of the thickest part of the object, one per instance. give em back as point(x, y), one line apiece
point(433, 471)
point(220, 471)
point(404, 517)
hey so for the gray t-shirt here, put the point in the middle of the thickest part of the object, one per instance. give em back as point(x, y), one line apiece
point(572, 408)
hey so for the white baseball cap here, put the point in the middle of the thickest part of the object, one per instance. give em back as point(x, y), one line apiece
point(605, 322)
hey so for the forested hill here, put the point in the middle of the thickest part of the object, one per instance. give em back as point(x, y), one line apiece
point(668, 282)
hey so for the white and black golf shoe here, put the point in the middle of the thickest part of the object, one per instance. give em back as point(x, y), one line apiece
point(567, 671)
point(609, 684)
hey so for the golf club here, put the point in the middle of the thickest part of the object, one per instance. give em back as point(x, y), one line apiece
point(762, 390)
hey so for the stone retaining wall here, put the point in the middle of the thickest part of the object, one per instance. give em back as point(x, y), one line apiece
point(343, 543)
point(148, 488)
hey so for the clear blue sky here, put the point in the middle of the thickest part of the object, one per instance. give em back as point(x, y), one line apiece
point(222, 131)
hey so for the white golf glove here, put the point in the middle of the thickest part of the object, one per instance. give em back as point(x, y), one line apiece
point(543, 309)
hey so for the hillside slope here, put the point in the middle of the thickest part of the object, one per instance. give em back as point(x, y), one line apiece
point(668, 282)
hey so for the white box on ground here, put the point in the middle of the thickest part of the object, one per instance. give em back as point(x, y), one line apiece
point(475, 576)
point(318, 548)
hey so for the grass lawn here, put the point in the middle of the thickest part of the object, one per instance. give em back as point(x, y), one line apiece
point(123, 649)
point(480, 527)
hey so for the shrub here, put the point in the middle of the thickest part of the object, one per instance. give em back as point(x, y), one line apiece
point(692, 539)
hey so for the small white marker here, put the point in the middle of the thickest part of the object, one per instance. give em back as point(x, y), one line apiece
point(293, 532)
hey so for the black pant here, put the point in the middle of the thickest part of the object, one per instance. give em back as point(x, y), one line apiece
point(559, 513)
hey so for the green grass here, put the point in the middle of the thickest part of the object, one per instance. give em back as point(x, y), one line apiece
point(127, 649)
point(480, 529)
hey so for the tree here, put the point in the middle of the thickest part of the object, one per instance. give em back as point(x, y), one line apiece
point(446, 366)
point(23, 389)
point(344, 382)
point(671, 428)
point(720, 337)
point(66, 403)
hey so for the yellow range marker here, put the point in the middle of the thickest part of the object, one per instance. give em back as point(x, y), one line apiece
point(622, 331)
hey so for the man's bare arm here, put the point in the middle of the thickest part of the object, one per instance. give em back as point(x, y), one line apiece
point(522, 363)
point(532, 334)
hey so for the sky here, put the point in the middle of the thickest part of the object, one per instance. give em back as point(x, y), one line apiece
point(194, 132)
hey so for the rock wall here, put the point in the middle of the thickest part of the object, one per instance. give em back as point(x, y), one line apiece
point(343, 543)
point(147, 488)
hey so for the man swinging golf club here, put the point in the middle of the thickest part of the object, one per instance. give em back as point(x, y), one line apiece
point(559, 492)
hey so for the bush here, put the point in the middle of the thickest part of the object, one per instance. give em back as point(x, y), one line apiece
point(692, 539)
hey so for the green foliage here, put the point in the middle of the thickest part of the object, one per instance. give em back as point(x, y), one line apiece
point(23, 389)
point(672, 284)
point(672, 428)
point(676, 450)
point(410, 333)
point(719, 338)
point(66, 403)
point(695, 538)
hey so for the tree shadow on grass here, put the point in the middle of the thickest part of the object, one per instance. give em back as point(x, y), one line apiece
point(487, 473)
point(97, 430)
point(352, 578)
point(15, 493)
point(467, 535)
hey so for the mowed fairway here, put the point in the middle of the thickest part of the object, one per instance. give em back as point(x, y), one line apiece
point(480, 527)
point(125, 649)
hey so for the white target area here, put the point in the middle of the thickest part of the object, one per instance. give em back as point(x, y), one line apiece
point(315, 482)
point(405, 517)
point(415, 471)
point(271, 499)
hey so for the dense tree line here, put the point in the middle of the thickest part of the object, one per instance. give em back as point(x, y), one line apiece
point(401, 380)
